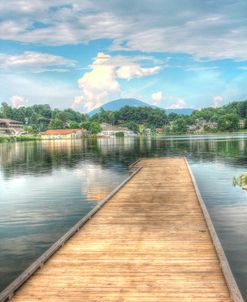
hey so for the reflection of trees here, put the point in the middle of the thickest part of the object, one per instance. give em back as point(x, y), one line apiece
point(231, 151)
point(18, 158)
point(40, 157)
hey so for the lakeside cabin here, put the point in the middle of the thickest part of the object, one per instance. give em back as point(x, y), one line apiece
point(108, 130)
point(9, 126)
point(63, 134)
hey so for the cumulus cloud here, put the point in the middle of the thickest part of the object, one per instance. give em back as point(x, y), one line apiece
point(157, 97)
point(77, 101)
point(172, 101)
point(102, 82)
point(35, 62)
point(217, 101)
point(179, 104)
point(18, 101)
point(212, 29)
point(98, 84)
point(128, 72)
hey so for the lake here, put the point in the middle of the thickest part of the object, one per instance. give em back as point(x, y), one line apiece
point(47, 186)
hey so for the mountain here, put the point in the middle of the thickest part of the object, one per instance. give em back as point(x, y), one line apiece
point(180, 111)
point(118, 104)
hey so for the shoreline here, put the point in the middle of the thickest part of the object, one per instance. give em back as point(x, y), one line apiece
point(13, 139)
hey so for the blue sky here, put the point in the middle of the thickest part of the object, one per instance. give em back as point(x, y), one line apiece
point(81, 54)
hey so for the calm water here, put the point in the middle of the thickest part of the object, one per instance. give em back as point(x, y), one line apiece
point(45, 187)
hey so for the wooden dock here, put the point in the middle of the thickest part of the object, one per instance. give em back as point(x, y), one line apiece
point(151, 240)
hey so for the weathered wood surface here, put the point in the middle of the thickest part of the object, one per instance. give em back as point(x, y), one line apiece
point(149, 242)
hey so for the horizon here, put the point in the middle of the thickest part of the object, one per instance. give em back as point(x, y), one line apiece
point(68, 54)
point(149, 104)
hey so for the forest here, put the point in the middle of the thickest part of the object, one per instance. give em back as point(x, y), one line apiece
point(38, 118)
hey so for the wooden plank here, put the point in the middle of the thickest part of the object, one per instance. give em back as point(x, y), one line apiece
point(230, 280)
point(149, 242)
point(9, 291)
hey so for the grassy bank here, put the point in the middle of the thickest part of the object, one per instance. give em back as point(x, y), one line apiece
point(12, 139)
point(241, 131)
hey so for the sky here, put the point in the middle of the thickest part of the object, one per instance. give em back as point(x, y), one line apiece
point(82, 54)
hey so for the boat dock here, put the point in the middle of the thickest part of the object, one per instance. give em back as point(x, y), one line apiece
point(151, 239)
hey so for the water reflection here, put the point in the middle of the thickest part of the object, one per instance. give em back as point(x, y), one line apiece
point(44, 156)
point(47, 186)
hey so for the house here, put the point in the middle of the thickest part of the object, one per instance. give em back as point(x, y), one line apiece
point(201, 121)
point(63, 134)
point(8, 126)
point(159, 130)
point(111, 130)
point(212, 125)
point(241, 123)
point(147, 131)
point(192, 128)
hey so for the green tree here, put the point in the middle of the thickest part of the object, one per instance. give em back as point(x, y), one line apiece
point(172, 116)
point(157, 118)
point(56, 124)
point(86, 125)
point(74, 125)
point(229, 121)
point(132, 126)
point(179, 125)
point(31, 129)
point(152, 117)
point(6, 110)
point(104, 116)
point(95, 128)
point(71, 115)
point(91, 127)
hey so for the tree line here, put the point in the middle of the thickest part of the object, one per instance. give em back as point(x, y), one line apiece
point(225, 118)
point(39, 118)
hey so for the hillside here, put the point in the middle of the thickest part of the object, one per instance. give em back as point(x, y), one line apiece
point(118, 104)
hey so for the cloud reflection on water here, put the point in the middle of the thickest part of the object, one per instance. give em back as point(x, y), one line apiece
point(47, 186)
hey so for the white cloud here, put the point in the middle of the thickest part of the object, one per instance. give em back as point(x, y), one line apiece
point(18, 101)
point(127, 72)
point(35, 62)
point(97, 85)
point(212, 29)
point(101, 83)
point(172, 101)
point(217, 101)
point(179, 104)
point(157, 97)
point(77, 101)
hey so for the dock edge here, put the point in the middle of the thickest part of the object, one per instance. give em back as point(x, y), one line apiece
point(226, 269)
point(134, 168)
point(9, 291)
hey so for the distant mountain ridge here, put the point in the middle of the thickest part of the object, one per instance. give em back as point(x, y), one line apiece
point(119, 103)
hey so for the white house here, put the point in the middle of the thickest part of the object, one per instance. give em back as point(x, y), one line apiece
point(110, 131)
point(241, 123)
